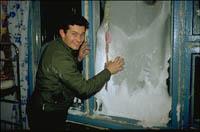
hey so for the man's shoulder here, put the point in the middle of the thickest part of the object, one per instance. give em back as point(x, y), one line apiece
point(53, 45)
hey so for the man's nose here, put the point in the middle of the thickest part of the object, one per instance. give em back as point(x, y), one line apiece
point(78, 38)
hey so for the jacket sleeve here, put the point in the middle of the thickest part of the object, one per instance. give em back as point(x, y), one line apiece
point(66, 69)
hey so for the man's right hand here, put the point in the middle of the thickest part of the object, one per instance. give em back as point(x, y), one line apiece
point(116, 65)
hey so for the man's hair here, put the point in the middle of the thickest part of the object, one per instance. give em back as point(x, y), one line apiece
point(73, 20)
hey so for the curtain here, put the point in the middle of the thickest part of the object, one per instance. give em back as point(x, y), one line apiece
point(18, 16)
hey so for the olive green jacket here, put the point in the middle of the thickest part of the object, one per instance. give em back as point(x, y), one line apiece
point(59, 79)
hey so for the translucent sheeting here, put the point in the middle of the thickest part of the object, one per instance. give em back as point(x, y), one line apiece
point(141, 34)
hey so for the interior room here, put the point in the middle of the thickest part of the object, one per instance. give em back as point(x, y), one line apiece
point(158, 87)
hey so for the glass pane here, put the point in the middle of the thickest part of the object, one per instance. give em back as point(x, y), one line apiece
point(196, 17)
point(195, 91)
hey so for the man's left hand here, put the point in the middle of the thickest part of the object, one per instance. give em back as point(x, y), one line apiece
point(83, 51)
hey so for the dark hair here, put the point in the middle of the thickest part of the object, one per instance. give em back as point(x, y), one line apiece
point(73, 20)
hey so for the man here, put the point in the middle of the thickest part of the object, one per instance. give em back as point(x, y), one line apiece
point(59, 78)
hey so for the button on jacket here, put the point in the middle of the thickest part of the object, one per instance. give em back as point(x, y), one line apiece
point(59, 79)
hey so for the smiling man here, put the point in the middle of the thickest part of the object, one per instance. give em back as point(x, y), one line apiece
point(59, 77)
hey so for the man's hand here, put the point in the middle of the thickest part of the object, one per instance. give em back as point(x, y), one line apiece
point(83, 51)
point(116, 65)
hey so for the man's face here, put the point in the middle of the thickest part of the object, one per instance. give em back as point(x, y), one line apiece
point(74, 36)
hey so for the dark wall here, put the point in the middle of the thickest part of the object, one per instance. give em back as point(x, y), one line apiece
point(52, 13)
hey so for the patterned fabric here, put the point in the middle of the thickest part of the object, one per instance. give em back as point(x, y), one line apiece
point(18, 15)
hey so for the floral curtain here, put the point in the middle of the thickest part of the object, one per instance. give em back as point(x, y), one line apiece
point(17, 14)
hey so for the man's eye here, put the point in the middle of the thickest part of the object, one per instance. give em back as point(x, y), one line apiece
point(74, 34)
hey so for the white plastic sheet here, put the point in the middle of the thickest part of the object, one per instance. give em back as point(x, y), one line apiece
point(141, 34)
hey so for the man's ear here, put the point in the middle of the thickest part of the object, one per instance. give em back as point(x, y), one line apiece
point(62, 33)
